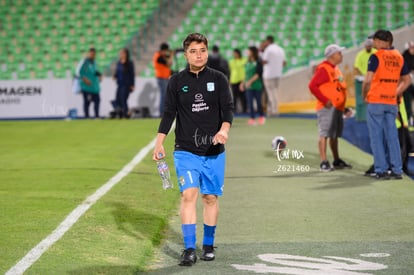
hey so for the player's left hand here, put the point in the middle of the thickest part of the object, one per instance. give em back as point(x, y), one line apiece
point(221, 137)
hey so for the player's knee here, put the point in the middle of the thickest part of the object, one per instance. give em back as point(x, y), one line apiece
point(210, 199)
point(189, 196)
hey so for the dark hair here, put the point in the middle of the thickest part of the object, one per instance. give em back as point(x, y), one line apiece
point(164, 46)
point(92, 50)
point(216, 49)
point(383, 35)
point(127, 61)
point(194, 37)
point(238, 52)
point(255, 52)
point(270, 38)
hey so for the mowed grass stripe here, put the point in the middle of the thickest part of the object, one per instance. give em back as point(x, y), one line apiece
point(119, 233)
point(35, 253)
point(50, 167)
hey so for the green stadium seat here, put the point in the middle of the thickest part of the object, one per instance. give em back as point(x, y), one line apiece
point(61, 31)
point(7, 75)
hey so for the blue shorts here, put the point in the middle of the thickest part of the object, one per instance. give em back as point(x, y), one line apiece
point(203, 172)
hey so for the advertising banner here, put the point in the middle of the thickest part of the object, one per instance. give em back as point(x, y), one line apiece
point(53, 98)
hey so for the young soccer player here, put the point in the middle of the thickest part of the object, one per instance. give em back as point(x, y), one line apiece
point(199, 99)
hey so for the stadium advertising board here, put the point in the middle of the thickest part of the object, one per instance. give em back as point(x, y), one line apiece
point(53, 98)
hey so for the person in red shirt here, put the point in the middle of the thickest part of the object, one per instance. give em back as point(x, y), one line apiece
point(329, 88)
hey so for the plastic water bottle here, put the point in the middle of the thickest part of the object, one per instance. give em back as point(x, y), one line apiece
point(164, 172)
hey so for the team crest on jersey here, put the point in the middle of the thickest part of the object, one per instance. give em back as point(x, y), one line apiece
point(210, 86)
point(182, 181)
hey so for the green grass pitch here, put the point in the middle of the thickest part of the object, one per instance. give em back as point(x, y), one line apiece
point(270, 206)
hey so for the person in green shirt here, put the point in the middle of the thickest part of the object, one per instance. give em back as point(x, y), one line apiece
point(360, 70)
point(89, 81)
point(253, 85)
point(237, 75)
point(361, 60)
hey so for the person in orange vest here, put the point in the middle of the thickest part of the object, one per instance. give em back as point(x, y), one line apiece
point(329, 88)
point(162, 61)
point(386, 80)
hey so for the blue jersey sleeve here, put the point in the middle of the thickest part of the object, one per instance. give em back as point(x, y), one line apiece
point(372, 63)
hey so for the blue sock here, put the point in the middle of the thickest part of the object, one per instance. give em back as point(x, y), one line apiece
point(209, 232)
point(189, 235)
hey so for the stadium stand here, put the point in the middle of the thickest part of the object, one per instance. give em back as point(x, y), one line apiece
point(46, 38)
point(43, 38)
point(302, 27)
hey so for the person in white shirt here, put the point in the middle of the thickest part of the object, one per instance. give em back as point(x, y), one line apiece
point(274, 60)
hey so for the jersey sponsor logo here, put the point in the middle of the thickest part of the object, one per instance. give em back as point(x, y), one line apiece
point(389, 80)
point(391, 63)
point(199, 105)
point(198, 97)
point(210, 86)
point(184, 89)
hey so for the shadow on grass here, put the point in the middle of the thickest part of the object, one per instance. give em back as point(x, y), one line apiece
point(125, 270)
point(146, 226)
point(341, 182)
point(139, 224)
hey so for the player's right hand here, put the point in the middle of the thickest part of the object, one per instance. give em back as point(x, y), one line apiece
point(328, 104)
point(158, 153)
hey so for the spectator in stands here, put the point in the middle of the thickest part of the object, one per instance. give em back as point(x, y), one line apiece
point(253, 85)
point(361, 60)
point(329, 87)
point(217, 62)
point(387, 78)
point(274, 60)
point(237, 74)
point(90, 78)
point(408, 56)
point(125, 80)
point(162, 61)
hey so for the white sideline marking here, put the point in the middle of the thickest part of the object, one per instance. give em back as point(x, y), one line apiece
point(33, 255)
